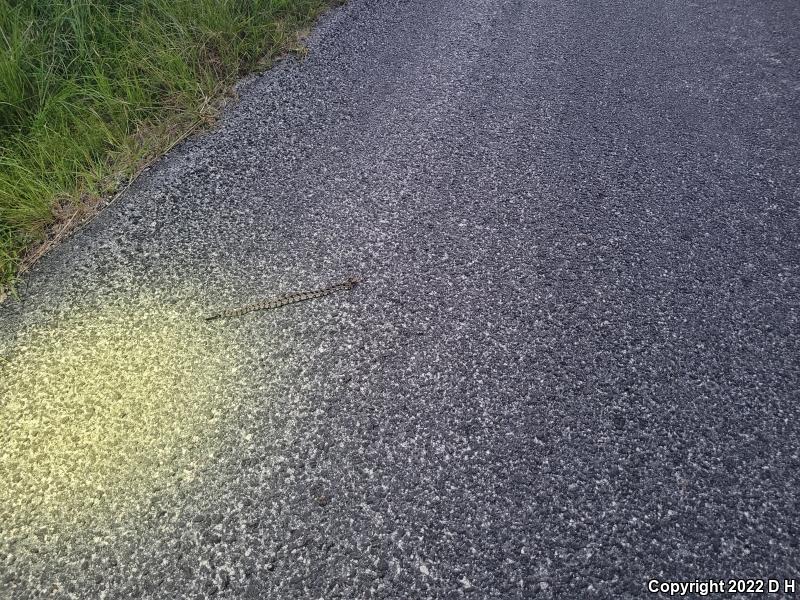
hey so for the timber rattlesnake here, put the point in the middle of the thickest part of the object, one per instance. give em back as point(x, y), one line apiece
point(291, 298)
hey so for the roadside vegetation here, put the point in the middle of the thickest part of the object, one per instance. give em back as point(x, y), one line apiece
point(92, 90)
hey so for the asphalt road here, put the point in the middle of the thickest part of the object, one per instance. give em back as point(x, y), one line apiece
point(572, 367)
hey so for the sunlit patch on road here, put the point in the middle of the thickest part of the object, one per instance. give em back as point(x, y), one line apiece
point(104, 409)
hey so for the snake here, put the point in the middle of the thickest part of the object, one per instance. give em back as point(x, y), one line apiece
point(285, 299)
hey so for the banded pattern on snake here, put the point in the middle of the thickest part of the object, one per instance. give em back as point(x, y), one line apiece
point(291, 298)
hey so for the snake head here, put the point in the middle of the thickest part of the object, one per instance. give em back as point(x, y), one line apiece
point(353, 280)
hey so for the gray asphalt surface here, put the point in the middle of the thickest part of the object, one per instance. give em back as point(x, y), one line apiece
point(572, 367)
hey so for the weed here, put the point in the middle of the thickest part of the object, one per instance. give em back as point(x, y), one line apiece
point(92, 89)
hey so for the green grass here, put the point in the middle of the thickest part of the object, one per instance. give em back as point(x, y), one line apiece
point(92, 89)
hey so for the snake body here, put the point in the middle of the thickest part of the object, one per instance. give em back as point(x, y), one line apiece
point(286, 299)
